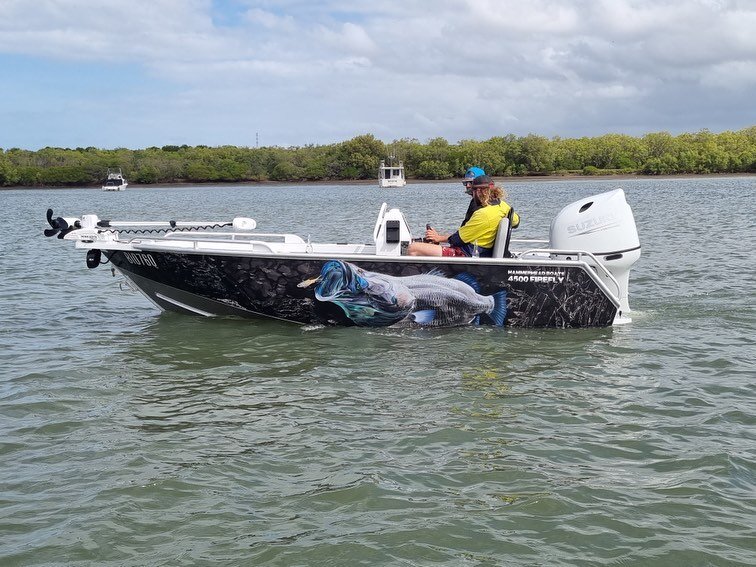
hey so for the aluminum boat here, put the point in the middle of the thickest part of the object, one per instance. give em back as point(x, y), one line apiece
point(578, 277)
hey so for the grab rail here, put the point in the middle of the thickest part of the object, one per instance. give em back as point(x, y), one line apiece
point(181, 244)
point(579, 253)
point(232, 236)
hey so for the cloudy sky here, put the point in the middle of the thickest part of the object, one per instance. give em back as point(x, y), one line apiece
point(138, 73)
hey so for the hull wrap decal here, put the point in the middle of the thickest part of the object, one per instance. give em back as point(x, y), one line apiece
point(369, 293)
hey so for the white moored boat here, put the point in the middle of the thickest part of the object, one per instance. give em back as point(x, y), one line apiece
point(114, 181)
point(576, 278)
point(391, 175)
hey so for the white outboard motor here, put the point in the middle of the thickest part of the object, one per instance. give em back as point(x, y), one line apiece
point(391, 233)
point(604, 226)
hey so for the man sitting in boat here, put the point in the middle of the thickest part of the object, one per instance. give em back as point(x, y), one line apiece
point(477, 235)
point(471, 174)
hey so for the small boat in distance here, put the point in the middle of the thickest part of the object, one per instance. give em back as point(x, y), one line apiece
point(114, 181)
point(391, 175)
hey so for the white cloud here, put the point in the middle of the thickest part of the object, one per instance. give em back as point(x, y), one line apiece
point(269, 20)
point(346, 37)
point(323, 71)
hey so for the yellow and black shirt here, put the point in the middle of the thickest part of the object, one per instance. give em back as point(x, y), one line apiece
point(481, 229)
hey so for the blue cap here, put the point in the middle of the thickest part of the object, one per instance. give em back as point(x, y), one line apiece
point(473, 172)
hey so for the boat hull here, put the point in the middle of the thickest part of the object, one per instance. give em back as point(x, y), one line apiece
point(393, 182)
point(410, 292)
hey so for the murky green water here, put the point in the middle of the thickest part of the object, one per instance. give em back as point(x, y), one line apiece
point(133, 438)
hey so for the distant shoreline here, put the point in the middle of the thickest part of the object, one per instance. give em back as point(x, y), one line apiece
point(498, 179)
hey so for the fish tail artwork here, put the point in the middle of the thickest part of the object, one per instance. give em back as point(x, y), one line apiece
point(499, 313)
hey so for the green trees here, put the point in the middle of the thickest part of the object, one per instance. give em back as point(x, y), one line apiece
point(359, 157)
point(657, 153)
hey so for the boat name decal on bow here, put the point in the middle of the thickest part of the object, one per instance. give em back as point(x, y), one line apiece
point(141, 259)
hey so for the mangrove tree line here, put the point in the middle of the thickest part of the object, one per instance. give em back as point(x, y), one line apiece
point(658, 153)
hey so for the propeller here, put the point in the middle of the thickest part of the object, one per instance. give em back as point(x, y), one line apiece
point(53, 223)
point(60, 226)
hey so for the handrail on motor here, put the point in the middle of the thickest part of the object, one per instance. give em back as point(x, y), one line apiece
point(579, 254)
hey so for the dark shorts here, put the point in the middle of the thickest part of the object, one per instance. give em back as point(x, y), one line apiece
point(452, 251)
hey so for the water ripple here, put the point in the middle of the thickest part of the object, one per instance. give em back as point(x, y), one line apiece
point(129, 438)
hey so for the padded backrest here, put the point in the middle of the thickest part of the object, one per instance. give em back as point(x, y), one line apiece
point(501, 244)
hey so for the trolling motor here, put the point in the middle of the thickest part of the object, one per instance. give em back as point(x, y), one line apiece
point(90, 228)
point(60, 226)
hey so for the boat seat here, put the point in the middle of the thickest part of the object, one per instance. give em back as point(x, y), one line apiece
point(503, 234)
